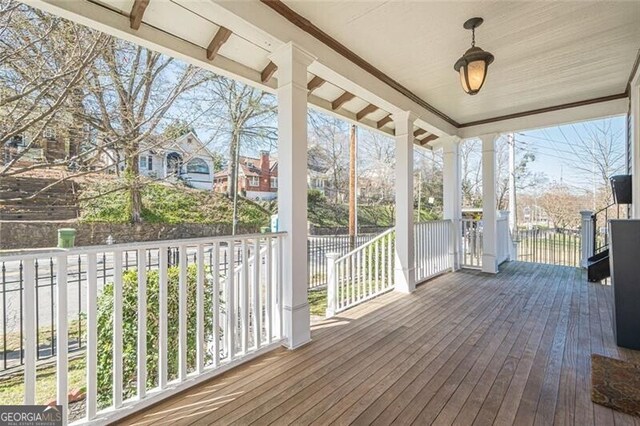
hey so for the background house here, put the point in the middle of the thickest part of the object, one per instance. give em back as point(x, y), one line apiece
point(257, 177)
point(186, 158)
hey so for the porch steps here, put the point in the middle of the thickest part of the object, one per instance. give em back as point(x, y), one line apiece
point(56, 203)
point(598, 267)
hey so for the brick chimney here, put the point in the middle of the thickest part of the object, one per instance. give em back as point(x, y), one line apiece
point(265, 178)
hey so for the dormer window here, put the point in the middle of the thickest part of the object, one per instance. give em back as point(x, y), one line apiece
point(49, 133)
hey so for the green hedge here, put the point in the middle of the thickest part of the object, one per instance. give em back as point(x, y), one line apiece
point(130, 330)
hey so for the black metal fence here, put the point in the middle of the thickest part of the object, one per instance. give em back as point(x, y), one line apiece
point(319, 246)
point(552, 246)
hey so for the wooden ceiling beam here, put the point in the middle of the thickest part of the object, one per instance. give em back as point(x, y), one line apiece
point(315, 83)
point(137, 12)
point(419, 132)
point(428, 139)
point(383, 121)
point(221, 37)
point(366, 111)
point(268, 72)
point(341, 100)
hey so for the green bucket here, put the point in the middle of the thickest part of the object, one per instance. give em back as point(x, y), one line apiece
point(66, 237)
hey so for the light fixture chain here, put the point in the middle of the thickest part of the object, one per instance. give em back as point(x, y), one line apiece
point(473, 37)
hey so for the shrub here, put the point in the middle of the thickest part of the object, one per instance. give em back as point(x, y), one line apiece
point(130, 330)
point(315, 196)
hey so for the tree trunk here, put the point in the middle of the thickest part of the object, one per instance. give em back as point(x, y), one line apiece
point(232, 188)
point(234, 179)
point(132, 177)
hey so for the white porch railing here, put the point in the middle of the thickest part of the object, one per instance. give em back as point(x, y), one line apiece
point(186, 311)
point(361, 274)
point(432, 241)
point(369, 270)
point(471, 250)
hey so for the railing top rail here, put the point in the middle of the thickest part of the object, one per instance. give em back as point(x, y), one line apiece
point(385, 233)
point(433, 221)
point(357, 249)
point(602, 209)
point(39, 253)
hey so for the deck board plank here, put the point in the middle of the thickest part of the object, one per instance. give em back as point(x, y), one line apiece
point(465, 347)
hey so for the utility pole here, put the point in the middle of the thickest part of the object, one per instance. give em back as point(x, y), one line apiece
point(352, 186)
point(513, 211)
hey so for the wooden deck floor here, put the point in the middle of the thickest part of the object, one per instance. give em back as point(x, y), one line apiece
point(465, 348)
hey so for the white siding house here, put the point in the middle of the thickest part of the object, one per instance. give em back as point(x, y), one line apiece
point(185, 158)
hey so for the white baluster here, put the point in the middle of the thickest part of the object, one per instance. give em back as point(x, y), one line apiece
point(117, 328)
point(230, 329)
point(244, 298)
point(269, 289)
point(30, 331)
point(182, 313)
point(215, 274)
point(142, 323)
point(92, 336)
point(163, 260)
point(257, 310)
point(200, 346)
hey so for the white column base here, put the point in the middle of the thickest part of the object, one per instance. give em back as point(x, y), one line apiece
point(489, 264)
point(297, 326)
point(405, 280)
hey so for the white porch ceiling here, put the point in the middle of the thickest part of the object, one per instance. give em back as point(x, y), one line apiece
point(547, 53)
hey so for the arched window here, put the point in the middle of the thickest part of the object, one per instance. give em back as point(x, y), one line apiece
point(198, 165)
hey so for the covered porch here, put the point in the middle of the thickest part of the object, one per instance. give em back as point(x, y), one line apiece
point(509, 343)
point(464, 348)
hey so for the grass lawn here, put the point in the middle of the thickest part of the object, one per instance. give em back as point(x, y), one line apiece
point(12, 386)
point(318, 302)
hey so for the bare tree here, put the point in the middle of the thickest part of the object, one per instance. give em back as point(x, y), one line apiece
point(525, 177)
point(244, 118)
point(330, 136)
point(471, 159)
point(562, 205)
point(129, 91)
point(376, 165)
point(598, 153)
point(43, 64)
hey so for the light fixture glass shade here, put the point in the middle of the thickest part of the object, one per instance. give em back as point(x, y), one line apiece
point(472, 67)
point(472, 76)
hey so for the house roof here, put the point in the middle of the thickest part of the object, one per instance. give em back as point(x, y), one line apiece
point(250, 167)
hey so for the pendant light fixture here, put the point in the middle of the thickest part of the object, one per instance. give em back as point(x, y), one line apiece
point(473, 65)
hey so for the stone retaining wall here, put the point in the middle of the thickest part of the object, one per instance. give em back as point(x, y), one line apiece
point(19, 235)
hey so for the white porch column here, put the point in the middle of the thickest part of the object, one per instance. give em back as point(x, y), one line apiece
point(292, 65)
point(452, 193)
point(586, 237)
point(489, 210)
point(404, 257)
